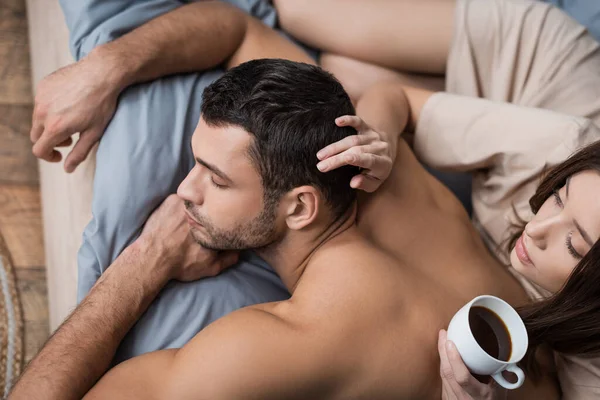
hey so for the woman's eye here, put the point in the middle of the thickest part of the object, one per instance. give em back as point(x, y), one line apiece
point(557, 199)
point(571, 249)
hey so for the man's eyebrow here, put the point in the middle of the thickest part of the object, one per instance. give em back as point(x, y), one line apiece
point(214, 170)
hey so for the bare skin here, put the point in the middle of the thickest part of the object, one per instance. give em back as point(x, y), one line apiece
point(407, 35)
point(368, 298)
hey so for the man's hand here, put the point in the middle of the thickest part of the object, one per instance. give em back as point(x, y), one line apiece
point(80, 97)
point(373, 151)
point(168, 232)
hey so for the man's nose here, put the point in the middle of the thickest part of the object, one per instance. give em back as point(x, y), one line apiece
point(190, 188)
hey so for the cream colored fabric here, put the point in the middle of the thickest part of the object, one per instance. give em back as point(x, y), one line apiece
point(534, 56)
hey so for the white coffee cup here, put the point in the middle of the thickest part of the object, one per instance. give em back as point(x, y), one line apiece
point(476, 358)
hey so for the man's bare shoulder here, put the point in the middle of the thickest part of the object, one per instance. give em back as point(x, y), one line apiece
point(256, 352)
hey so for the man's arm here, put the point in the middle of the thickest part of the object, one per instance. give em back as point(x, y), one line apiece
point(252, 353)
point(82, 97)
point(82, 348)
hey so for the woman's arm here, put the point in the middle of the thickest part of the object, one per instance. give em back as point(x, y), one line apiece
point(506, 147)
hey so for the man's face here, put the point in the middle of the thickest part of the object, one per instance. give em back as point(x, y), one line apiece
point(223, 193)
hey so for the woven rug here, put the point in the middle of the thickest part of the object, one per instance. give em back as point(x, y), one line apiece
point(11, 324)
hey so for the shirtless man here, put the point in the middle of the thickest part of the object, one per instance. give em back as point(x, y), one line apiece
point(430, 258)
point(369, 293)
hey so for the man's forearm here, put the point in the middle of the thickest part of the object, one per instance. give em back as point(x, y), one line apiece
point(193, 37)
point(81, 350)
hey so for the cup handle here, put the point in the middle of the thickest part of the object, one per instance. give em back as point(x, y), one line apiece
point(506, 384)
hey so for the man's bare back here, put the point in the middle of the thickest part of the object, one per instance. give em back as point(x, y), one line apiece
point(362, 321)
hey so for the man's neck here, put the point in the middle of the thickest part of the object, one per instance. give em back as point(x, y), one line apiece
point(291, 256)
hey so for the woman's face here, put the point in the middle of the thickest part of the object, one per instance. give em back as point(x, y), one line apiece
point(561, 233)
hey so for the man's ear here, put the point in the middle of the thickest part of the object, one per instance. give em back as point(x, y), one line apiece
point(302, 207)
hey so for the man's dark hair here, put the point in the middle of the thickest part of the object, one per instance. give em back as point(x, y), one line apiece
point(290, 109)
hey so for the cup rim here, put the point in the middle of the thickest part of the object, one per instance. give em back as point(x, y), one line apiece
point(511, 310)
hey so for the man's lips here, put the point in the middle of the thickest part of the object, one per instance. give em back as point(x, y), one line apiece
point(522, 253)
point(192, 221)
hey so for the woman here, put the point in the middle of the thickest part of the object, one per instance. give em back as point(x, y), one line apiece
point(520, 52)
point(567, 319)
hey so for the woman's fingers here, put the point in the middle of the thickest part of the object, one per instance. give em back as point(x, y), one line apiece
point(459, 369)
point(447, 392)
point(350, 120)
point(455, 373)
point(450, 389)
point(342, 145)
point(445, 368)
point(369, 161)
point(367, 150)
point(368, 156)
point(462, 375)
point(347, 142)
point(366, 183)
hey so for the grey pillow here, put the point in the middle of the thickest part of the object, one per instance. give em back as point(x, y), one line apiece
point(143, 156)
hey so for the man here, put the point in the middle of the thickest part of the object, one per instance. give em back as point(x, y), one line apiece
point(145, 152)
point(368, 294)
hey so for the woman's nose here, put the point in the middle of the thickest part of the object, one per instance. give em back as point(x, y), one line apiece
point(190, 188)
point(539, 230)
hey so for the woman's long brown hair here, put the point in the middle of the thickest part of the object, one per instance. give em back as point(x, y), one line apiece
point(568, 321)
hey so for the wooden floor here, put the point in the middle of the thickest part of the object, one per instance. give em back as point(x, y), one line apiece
point(20, 211)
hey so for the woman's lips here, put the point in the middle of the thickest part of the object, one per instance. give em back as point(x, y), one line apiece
point(521, 251)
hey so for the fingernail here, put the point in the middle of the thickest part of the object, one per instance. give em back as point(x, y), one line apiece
point(450, 345)
point(321, 166)
point(320, 155)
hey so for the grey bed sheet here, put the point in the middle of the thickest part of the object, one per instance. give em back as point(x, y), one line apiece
point(143, 156)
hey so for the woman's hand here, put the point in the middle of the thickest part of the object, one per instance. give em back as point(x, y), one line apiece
point(457, 381)
point(370, 150)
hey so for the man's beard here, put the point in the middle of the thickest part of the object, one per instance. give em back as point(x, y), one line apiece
point(257, 233)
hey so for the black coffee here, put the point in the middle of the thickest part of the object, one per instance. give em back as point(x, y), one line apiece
point(490, 332)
